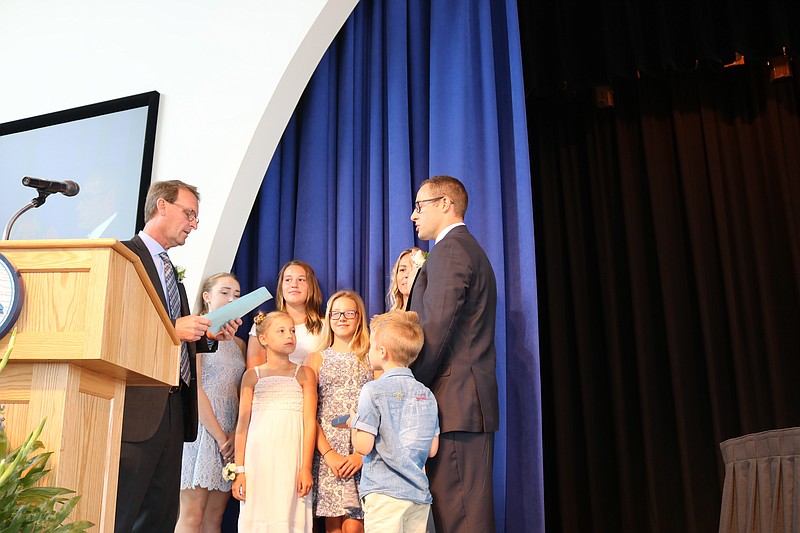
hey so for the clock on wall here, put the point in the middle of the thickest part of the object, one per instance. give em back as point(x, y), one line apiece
point(10, 296)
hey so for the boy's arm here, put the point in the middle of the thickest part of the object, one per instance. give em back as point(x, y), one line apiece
point(363, 442)
point(434, 446)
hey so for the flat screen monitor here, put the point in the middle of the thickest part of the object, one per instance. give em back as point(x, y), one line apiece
point(106, 148)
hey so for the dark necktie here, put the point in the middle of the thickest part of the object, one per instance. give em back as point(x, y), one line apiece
point(174, 300)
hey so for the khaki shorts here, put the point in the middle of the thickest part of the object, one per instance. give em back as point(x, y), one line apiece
point(386, 514)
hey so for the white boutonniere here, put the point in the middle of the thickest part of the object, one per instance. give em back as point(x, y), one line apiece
point(229, 471)
point(418, 258)
point(181, 272)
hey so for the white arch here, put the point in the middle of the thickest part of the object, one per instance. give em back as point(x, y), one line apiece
point(230, 75)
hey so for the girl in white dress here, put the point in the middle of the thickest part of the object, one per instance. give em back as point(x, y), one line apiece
point(276, 435)
point(204, 492)
point(298, 294)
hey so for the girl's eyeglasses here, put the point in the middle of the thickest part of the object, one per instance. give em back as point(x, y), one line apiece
point(348, 315)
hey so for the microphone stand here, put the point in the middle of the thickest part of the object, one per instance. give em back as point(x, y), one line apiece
point(36, 202)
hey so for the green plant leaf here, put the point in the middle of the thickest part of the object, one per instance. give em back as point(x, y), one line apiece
point(66, 508)
point(42, 494)
point(10, 348)
point(3, 443)
point(75, 527)
point(20, 521)
point(22, 452)
point(35, 469)
point(25, 507)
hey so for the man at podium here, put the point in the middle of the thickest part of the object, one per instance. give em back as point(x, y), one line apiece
point(157, 420)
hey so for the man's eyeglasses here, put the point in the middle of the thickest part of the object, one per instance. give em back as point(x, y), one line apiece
point(419, 203)
point(348, 315)
point(190, 214)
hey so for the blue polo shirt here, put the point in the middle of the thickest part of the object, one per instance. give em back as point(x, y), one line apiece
point(403, 415)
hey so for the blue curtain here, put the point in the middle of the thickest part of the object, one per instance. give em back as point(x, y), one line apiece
point(408, 90)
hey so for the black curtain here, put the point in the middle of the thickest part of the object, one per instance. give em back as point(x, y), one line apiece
point(570, 45)
point(668, 261)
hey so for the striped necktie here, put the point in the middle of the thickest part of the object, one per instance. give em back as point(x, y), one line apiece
point(174, 300)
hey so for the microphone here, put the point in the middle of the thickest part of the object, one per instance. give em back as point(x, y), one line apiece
point(67, 188)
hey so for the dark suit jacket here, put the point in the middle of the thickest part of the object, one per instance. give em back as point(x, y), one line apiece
point(455, 295)
point(144, 406)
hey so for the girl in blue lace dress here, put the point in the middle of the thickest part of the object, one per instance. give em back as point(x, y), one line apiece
point(204, 492)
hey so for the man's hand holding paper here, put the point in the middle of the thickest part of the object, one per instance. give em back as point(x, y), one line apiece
point(227, 332)
point(226, 319)
point(191, 327)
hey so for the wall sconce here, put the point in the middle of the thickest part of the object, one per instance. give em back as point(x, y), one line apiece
point(780, 67)
point(737, 61)
point(603, 97)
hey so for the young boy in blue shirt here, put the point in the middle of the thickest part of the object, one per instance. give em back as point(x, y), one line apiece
point(396, 429)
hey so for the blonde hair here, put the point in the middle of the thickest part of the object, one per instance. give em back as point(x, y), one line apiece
point(359, 344)
point(264, 320)
point(401, 333)
point(452, 188)
point(313, 300)
point(209, 283)
point(394, 298)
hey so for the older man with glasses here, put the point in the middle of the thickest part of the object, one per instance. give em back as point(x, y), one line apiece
point(157, 420)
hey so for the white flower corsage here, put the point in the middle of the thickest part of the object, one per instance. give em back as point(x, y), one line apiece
point(418, 258)
point(229, 471)
point(181, 272)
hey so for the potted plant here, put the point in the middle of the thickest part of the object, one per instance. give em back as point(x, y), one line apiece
point(25, 507)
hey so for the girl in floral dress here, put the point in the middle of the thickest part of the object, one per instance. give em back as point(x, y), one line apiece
point(342, 368)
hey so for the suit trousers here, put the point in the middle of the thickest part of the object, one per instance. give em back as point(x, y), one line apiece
point(148, 491)
point(461, 483)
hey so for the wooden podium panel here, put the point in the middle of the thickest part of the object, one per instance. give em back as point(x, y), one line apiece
point(90, 323)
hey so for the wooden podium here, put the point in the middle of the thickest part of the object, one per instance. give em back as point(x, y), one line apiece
point(90, 323)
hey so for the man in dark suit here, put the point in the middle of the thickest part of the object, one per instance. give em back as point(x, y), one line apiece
point(157, 420)
point(455, 296)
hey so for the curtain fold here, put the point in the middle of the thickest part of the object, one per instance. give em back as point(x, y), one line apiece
point(408, 90)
